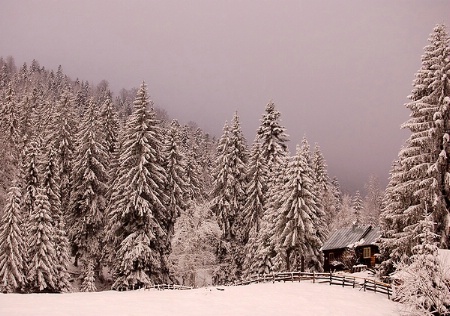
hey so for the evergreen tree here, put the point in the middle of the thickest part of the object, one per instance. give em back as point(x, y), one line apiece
point(9, 136)
point(50, 184)
point(256, 187)
point(372, 201)
point(12, 245)
point(337, 194)
point(110, 125)
point(30, 177)
point(296, 231)
point(220, 203)
point(272, 136)
point(395, 243)
point(177, 186)
point(325, 194)
point(264, 260)
point(4, 77)
point(88, 276)
point(86, 218)
point(420, 178)
point(273, 139)
point(228, 199)
point(315, 169)
point(357, 207)
point(194, 172)
point(137, 213)
point(10, 120)
point(63, 128)
point(43, 266)
point(423, 289)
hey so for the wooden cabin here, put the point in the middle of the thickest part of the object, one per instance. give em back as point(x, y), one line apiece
point(362, 239)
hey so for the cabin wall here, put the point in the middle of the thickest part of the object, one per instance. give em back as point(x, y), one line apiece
point(369, 261)
point(336, 255)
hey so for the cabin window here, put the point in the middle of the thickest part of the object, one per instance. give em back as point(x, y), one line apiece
point(366, 252)
point(331, 256)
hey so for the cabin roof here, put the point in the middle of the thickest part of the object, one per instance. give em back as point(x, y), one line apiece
point(354, 236)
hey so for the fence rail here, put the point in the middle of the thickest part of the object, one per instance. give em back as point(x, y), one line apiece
point(170, 287)
point(330, 278)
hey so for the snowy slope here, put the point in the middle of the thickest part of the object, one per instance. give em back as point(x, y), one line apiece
point(283, 299)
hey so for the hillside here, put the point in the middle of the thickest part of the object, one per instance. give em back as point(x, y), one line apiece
point(284, 299)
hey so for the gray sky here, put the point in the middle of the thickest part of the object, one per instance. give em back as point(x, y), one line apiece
point(338, 71)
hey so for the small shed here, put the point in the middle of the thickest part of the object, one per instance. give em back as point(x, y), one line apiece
point(362, 239)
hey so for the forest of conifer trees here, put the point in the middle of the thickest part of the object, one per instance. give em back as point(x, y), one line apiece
point(123, 194)
point(107, 192)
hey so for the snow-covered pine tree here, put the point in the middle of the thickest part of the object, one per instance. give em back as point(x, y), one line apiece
point(423, 289)
point(9, 118)
point(272, 136)
point(30, 176)
point(273, 140)
point(4, 74)
point(228, 199)
point(238, 159)
point(50, 185)
point(63, 128)
point(88, 276)
point(357, 206)
point(296, 234)
point(345, 217)
point(256, 171)
point(263, 261)
point(429, 144)
point(422, 178)
point(205, 149)
point(40, 111)
point(337, 194)
point(25, 113)
point(137, 215)
point(372, 201)
point(318, 199)
point(177, 186)
point(325, 194)
point(89, 183)
point(110, 125)
point(9, 137)
point(12, 245)
point(43, 265)
point(395, 243)
point(189, 148)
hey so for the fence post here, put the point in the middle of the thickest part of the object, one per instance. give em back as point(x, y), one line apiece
point(314, 277)
point(330, 277)
point(343, 280)
point(364, 285)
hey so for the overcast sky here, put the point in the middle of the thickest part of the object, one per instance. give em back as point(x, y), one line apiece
point(338, 71)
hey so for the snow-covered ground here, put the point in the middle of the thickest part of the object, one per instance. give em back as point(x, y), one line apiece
point(284, 299)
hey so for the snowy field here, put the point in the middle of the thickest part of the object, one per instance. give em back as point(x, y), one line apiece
point(282, 299)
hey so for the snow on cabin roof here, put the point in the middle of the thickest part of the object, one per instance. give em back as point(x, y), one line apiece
point(354, 236)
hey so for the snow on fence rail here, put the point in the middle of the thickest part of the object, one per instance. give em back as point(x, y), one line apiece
point(330, 278)
point(170, 287)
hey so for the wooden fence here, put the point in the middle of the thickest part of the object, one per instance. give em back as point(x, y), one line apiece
point(170, 287)
point(330, 278)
